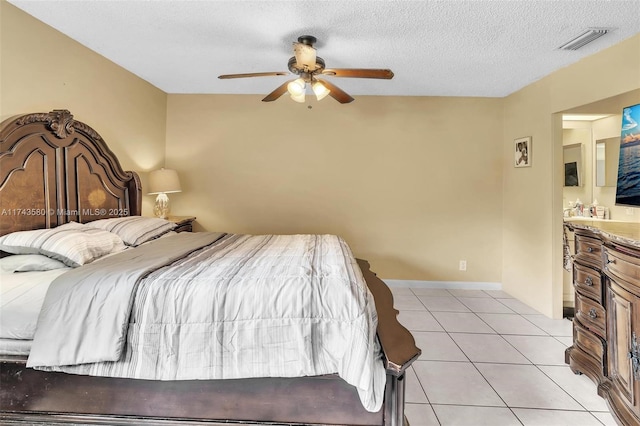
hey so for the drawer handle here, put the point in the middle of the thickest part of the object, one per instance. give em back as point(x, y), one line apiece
point(592, 313)
point(589, 249)
point(634, 356)
point(588, 281)
point(607, 261)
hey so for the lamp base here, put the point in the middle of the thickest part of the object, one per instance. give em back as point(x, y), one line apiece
point(161, 206)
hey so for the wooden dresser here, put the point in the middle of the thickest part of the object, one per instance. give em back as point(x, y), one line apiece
point(606, 326)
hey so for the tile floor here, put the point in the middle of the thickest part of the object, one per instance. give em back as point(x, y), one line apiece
point(489, 359)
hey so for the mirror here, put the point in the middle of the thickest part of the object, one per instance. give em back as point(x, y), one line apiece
point(607, 155)
point(573, 165)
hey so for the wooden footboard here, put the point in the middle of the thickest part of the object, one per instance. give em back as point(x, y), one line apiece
point(398, 345)
point(69, 398)
point(37, 397)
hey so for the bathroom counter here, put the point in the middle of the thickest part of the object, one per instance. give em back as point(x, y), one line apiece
point(627, 233)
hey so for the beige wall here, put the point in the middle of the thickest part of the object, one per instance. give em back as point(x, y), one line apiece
point(413, 183)
point(527, 203)
point(42, 69)
point(532, 236)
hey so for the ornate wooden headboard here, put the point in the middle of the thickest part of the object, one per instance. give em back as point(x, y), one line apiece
point(54, 169)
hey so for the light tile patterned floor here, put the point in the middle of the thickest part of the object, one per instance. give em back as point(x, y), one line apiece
point(489, 359)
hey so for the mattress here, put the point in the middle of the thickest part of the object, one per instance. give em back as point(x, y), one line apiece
point(15, 347)
point(21, 297)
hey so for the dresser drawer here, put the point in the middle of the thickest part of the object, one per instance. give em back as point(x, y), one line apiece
point(591, 314)
point(589, 343)
point(588, 282)
point(622, 266)
point(588, 249)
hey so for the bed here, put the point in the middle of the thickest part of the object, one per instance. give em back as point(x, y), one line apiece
point(55, 170)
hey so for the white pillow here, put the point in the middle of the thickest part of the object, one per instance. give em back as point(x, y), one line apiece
point(28, 263)
point(72, 243)
point(135, 230)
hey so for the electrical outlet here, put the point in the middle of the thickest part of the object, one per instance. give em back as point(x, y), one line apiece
point(463, 265)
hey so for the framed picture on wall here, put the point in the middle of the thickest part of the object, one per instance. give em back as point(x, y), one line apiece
point(522, 152)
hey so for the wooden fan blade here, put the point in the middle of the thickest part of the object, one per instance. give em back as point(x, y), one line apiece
point(359, 73)
point(281, 90)
point(252, 74)
point(336, 93)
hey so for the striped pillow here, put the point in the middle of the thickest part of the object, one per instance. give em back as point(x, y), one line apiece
point(135, 230)
point(72, 243)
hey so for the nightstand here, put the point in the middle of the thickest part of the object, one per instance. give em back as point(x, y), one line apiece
point(185, 223)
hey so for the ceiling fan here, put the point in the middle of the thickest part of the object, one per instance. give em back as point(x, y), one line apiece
point(307, 66)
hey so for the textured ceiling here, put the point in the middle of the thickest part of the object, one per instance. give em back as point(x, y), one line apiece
point(434, 47)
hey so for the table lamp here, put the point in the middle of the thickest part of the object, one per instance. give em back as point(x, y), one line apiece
point(163, 182)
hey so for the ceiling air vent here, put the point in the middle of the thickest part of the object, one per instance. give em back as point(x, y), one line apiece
point(586, 37)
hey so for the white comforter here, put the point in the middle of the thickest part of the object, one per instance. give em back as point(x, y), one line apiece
point(247, 306)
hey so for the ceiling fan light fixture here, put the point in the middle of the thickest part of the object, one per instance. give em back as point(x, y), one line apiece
point(307, 65)
point(320, 90)
point(297, 87)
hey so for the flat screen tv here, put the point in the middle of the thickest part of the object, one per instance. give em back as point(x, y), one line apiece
point(628, 184)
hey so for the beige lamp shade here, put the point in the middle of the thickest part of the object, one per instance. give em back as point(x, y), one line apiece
point(164, 181)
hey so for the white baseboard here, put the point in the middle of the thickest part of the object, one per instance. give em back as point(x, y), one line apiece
point(463, 285)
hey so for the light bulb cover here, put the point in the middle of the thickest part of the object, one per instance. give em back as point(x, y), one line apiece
point(320, 90)
point(296, 87)
point(298, 98)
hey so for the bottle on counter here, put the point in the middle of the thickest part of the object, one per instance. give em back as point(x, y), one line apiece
point(579, 208)
point(593, 208)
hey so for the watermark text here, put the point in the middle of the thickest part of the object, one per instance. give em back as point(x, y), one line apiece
point(64, 212)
